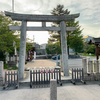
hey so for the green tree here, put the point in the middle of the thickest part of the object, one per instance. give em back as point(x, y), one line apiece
point(76, 44)
point(86, 46)
point(53, 48)
point(55, 36)
point(29, 46)
point(7, 37)
point(89, 48)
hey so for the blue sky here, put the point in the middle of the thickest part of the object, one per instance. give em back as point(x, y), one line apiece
point(89, 10)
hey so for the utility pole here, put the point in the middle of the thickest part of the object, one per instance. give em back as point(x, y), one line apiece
point(13, 6)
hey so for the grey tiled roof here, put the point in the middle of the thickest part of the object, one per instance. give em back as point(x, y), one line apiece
point(96, 40)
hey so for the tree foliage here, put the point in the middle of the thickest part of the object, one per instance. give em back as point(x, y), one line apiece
point(71, 35)
point(7, 37)
point(89, 48)
point(29, 44)
point(53, 48)
point(76, 44)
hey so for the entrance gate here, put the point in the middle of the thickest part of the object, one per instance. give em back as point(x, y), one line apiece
point(42, 18)
point(77, 75)
point(44, 76)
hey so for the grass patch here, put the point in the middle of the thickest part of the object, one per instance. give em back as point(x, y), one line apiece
point(85, 54)
point(92, 55)
point(6, 66)
point(10, 68)
point(14, 68)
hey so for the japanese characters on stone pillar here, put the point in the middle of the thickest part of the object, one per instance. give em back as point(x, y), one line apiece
point(97, 66)
point(90, 68)
point(53, 89)
point(84, 65)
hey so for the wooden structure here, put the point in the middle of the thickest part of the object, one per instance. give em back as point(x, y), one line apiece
point(42, 18)
point(29, 55)
point(96, 42)
point(77, 75)
point(44, 76)
point(11, 79)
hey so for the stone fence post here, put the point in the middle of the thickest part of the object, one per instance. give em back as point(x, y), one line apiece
point(1, 72)
point(53, 89)
point(90, 66)
point(84, 65)
point(61, 64)
point(97, 65)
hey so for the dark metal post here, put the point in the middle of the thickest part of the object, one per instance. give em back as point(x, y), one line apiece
point(36, 76)
point(14, 77)
point(8, 79)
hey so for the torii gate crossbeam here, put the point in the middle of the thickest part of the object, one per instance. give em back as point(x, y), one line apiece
point(42, 18)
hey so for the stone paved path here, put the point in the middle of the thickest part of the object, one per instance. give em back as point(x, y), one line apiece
point(37, 64)
point(68, 92)
point(40, 63)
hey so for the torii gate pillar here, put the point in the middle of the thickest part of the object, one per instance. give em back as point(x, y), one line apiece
point(64, 48)
point(22, 50)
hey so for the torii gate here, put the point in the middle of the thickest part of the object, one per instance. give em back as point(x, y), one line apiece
point(42, 18)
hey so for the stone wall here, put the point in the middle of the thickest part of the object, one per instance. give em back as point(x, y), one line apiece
point(92, 77)
point(91, 69)
point(12, 63)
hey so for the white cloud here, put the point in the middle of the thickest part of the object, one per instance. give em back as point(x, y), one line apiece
point(90, 30)
point(39, 37)
point(89, 12)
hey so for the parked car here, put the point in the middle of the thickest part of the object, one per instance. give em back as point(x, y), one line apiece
point(55, 57)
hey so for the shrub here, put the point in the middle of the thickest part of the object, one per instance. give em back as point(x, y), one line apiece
point(14, 68)
point(25, 62)
point(91, 49)
point(6, 66)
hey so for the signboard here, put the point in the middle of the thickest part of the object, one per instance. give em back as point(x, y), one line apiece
point(41, 71)
point(46, 70)
point(34, 55)
point(51, 70)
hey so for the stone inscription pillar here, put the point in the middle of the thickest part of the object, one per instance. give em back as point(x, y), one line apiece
point(90, 66)
point(1, 72)
point(64, 48)
point(84, 65)
point(97, 66)
point(22, 50)
point(53, 89)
